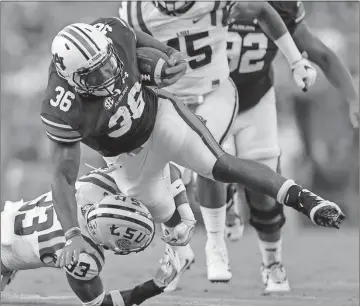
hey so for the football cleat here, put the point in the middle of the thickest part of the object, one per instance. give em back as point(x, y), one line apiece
point(217, 262)
point(321, 212)
point(187, 258)
point(7, 278)
point(274, 278)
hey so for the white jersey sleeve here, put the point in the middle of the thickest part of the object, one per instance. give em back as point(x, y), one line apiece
point(200, 33)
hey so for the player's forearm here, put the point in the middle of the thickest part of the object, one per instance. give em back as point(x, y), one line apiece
point(337, 74)
point(333, 68)
point(66, 160)
point(273, 25)
point(145, 40)
point(64, 202)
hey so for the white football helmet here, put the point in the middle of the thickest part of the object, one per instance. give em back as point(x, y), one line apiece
point(174, 8)
point(86, 58)
point(121, 224)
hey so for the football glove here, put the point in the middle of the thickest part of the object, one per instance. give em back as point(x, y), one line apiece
point(169, 268)
point(304, 73)
point(181, 234)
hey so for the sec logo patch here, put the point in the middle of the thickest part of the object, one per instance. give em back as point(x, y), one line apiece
point(108, 103)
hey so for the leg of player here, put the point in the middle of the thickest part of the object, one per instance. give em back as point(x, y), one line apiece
point(219, 112)
point(234, 224)
point(193, 147)
point(186, 254)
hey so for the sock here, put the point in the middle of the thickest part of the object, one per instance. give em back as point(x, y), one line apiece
point(270, 251)
point(214, 220)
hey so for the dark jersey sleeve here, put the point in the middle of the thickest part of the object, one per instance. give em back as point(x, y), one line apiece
point(292, 12)
point(57, 108)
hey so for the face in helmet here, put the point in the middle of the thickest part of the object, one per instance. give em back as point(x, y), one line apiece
point(174, 8)
point(121, 224)
point(87, 59)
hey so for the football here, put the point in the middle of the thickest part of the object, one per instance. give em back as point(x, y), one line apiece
point(152, 64)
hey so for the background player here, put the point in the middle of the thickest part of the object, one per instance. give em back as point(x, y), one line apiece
point(199, 30)
point(31, 238)
point(250, 53)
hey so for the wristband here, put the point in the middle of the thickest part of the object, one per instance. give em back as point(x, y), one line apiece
point(72, 232)
point(287, 46)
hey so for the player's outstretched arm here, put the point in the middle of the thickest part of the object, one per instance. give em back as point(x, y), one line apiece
point(333, 68)
point(66, 161)
point(273, 25)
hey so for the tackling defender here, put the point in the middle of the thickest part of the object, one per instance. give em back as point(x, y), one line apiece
point(199, 30)
point(250, 53)
point(95, 96)
point(32, 237)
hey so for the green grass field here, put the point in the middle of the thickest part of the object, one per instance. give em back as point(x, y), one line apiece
point(322, 265)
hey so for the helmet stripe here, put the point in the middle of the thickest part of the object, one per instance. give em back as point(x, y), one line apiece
point(98, 183)
point(66, 35)
point(125, 218)
point(87, 36)
point(84, 43)
point(134, 210)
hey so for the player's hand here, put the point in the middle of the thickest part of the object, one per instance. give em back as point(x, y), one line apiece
point(70, 253)
point(304, 73)
point(354, 113)
point(181, 234)
point(169, 268)
point(177, 69)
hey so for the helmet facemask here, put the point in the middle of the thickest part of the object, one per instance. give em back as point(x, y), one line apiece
point(99, 79)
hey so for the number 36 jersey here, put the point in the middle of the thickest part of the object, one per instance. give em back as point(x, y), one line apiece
point(200, 33)
point(32, 236)
point(250, 53)
point(109, 125)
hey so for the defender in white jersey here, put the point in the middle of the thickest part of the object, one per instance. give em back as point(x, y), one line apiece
point(32, 236)
point(198, 29)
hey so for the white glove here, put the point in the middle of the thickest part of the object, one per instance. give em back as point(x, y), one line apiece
point(169, 268)
point(304, 73)
point(180, 235)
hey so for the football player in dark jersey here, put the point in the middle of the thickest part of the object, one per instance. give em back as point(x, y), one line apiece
point(95, 96)
point(250, 54)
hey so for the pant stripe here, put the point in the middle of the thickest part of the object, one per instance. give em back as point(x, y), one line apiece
point(233, 117)
point(194, 123)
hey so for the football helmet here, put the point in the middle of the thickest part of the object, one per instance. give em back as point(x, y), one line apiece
point(174, 8)
point(121, 224)
point(86, 58)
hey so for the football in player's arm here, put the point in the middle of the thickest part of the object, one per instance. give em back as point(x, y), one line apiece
point(273, 26)
point(332, 66)
point(66, 160)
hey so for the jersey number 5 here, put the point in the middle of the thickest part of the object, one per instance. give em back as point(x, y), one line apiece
point(62, 99)
point(186, 44)
point(250, 60)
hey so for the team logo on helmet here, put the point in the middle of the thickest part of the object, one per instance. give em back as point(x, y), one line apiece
point(123, 244)
point(59, 61)
point(108, 103)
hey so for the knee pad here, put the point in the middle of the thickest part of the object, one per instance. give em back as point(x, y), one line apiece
point(268, 221)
